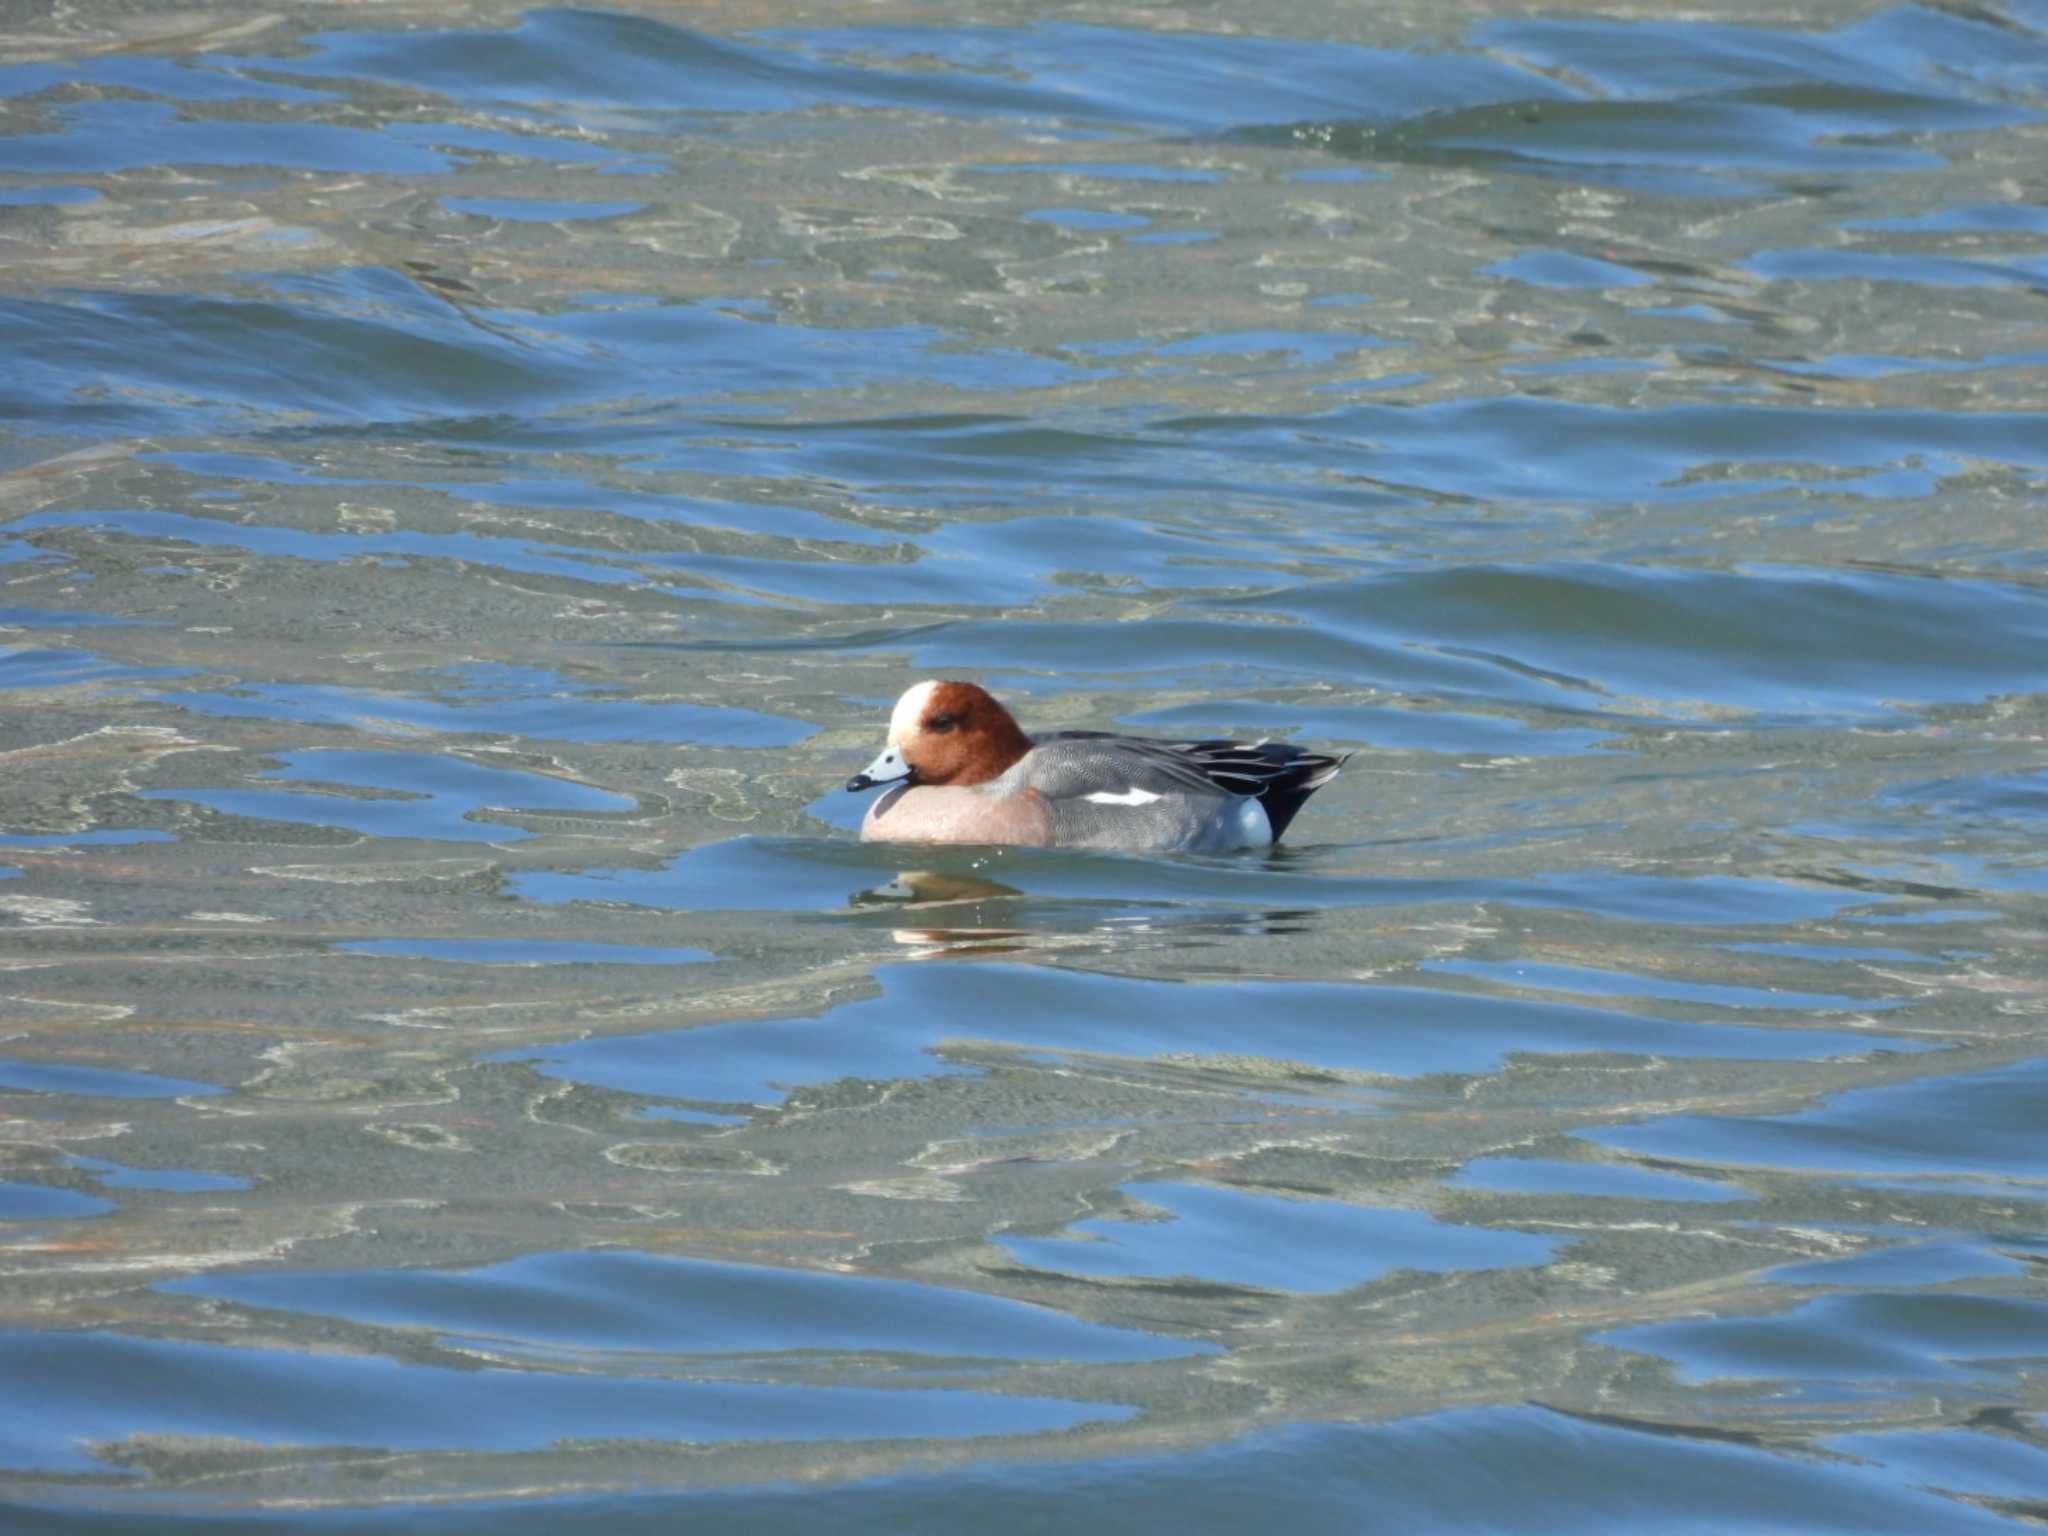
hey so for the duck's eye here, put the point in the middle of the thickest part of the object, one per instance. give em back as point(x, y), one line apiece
point(941, 724)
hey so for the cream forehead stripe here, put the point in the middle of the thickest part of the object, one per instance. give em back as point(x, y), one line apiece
point(909, 710)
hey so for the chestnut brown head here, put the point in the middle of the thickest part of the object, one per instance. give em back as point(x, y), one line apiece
point(946, 733)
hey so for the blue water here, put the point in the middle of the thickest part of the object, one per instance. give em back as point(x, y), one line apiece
point(902, 1033)
point(292, 1398)
point(94, 1082)
point(625, 1301)
point(471, 491)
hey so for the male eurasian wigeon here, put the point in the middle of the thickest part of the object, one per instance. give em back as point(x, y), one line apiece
point(962, 772)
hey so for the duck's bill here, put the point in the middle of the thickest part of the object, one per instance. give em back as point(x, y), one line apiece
point(889, 768)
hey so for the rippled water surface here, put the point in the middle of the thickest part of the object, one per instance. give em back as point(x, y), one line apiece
point(473, 481)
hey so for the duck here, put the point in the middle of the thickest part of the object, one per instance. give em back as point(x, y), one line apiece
point(959, 769)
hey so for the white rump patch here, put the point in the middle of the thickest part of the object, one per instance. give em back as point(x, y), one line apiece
point(1128, 797)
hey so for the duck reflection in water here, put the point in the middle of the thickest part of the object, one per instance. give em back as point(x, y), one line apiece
point(1058, 924)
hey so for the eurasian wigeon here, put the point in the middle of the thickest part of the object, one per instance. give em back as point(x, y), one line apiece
point(961, 771)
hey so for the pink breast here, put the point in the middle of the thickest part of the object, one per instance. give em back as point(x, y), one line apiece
point(936, 814)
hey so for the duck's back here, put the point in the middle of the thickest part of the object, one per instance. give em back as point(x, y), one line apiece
point(1114, 791)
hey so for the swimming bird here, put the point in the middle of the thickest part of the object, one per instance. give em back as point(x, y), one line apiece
point(960, 770)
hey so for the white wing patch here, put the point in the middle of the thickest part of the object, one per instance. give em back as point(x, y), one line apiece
point(1128, 797)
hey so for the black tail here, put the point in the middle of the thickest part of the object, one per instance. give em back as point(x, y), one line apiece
point(1282, 777)
point(1306, 773)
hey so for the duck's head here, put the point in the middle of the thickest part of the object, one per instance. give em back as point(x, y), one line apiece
point(945, 733)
